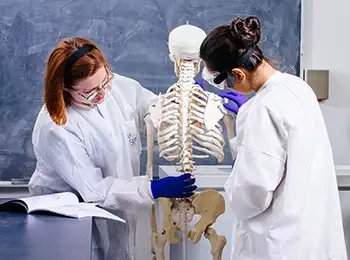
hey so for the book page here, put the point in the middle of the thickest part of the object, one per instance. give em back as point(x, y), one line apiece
point(51, 200)
point(82, 210)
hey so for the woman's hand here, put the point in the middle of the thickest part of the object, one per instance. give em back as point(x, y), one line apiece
point(173, 187)
point(235, 97)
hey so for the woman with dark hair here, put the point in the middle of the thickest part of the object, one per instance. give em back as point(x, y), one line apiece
point(87, 140)
point(283, 187)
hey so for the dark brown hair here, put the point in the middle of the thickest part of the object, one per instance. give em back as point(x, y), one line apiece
point(225, 44)
point(56, 77)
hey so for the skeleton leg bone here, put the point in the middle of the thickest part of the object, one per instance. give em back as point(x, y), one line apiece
point(217, 243)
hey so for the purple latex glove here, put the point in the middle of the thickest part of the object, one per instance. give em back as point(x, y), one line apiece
point(235, 97)
point(233, 163)
point(200, 84)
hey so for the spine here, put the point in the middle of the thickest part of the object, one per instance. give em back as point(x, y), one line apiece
point(187, 73)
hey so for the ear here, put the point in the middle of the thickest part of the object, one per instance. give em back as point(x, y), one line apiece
point(239, 75)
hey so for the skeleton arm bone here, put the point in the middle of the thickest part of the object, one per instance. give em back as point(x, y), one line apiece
point(158, 241)
point(228, 121)
point(150, 139)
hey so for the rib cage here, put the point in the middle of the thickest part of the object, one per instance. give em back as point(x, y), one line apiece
point(182, 124)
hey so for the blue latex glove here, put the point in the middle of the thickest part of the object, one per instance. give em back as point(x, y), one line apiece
point(173, 187)
point(200, 84)
point(235, 97)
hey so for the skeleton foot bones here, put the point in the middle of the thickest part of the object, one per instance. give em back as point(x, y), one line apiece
point(186, 119)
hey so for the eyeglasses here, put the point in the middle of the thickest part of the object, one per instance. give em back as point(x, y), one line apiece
point(214, 78)
point(90, 96)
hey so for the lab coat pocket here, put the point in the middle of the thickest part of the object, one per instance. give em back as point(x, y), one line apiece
point(133, 136)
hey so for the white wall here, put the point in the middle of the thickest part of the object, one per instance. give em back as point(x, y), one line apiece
point(326, 38)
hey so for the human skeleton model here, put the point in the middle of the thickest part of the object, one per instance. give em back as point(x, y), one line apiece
point(186, 118)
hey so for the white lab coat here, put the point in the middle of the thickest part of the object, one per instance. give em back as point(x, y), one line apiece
point(283, 188)
point(97, 155)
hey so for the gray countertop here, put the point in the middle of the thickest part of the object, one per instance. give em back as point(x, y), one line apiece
point(43, 237)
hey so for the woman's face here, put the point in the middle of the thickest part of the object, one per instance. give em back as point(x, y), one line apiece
point(92, 90)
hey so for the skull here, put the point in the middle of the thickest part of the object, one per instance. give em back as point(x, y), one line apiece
point(184, 43)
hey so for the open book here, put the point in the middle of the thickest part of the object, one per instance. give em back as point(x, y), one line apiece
point(65, 204)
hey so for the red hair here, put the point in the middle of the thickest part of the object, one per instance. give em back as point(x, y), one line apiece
point(55, 98)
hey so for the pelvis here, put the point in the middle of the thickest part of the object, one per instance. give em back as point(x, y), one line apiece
point(178, 213)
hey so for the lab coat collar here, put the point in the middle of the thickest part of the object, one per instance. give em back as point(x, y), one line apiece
point(271, 81)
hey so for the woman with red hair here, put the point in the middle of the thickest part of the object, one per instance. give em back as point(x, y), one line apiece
point(87, 140)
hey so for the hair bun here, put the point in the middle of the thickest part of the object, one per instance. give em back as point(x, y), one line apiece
point(246, 32)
